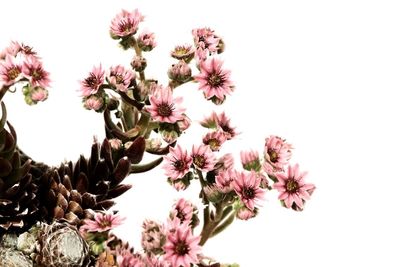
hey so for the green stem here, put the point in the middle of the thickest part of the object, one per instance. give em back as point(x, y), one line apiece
point(138, 52)
point(224, 224)
point(138, 168)
point(210, 225)
point(3, 91)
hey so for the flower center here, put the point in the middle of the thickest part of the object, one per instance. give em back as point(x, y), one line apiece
point(36, 74)
point(91, 81)
point(119, 78)
point(181, 248)
point(125, 27)
point(273, 156)
point(164, 110)
point(181, 51)
point(199, 160)
point(105, 224)
point(179, 165)
point(227, 129)
point(248, 193)
point(13, 73)
point(215, 80)
point(213, 143)
point(180, 215)
point(292, 186)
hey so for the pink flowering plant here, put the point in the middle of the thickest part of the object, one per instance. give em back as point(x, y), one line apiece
point(143, 116)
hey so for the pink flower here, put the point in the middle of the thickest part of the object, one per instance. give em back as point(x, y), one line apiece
point(250, 160)
point(203, 158)
point(224, 181)
point(146, 41)
point(182, 248)
point(277, 152)
point(205, 39)
point(213, 80)
point(125, 23)
point(126, 258)
point(39, 94)
point(33, 70)
point(153, 236)
point(292, 187)
point(13, 49)
point(206, 42)
point(183, 52)
point(247, 186)
point(226, 162)
point(152, 261)
point(183, 210)
point(121, 78)
point(9, 71)
point(91, 84)
point(219, 121)
point(177, 162)
point(102, 222)
point(164, 108)
point(214, 139)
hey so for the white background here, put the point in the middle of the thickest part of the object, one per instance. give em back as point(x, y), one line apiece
point(322, 74)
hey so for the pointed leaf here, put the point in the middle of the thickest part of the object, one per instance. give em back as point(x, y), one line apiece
point(119, 190)
point(121, 170)
point(104, 205)
point(5, 167)
point(82, 183)
point(136, 150)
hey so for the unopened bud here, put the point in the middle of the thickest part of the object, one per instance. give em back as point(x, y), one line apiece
point(139, 63)
point(180, 72)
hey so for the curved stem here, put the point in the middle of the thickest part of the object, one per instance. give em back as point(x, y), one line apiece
point(131, 101)
point(3, 91)
point(138, 168)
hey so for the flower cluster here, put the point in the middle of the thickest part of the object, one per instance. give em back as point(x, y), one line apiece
point(19, 63)
point(143, 116)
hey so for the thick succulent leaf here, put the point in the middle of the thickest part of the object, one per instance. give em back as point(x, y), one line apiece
point(82, 183)
point(136, 150)
point(121, 170)
point(102, 189)
point(88, 200)
point(106, 154)
point(101, 172)
point(94, 156)
point(118, 190)
point(3, 116)
point(5, 167)
point(104, 205)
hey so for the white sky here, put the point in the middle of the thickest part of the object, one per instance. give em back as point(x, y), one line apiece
point(322, 74)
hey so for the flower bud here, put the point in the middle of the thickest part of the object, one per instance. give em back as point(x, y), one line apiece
point(244, 213)
point(146, 41)
point(180, 72)
point(115, 143)
point(213, 194)
point(34, 95)
point(139, 63)
point(169, 136)
point(153, 143)
point(184, 124)
point(95, 102)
